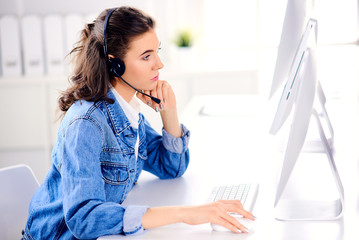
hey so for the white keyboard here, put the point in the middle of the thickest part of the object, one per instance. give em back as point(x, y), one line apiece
point(246, 193)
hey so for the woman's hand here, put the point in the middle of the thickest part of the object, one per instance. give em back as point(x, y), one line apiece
point(167, 106)
point(162, 91)
point(216, 212)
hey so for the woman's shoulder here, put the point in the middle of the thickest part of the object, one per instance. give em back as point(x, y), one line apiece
point(82, 109)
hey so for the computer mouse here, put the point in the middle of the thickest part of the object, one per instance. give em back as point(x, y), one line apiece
point(249, 224)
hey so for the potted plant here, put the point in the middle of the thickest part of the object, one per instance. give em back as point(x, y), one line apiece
point(184, 39)
point(185, 55)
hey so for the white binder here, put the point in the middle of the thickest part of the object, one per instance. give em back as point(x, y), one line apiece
point(54, 44)
point(11, 62)
point(33, 47)
point(74, 23)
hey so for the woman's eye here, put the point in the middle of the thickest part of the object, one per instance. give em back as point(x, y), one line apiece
point(147, 57)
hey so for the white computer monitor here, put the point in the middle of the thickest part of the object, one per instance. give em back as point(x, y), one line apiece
point(295, 75)
point(296, 16)
point(300, 91)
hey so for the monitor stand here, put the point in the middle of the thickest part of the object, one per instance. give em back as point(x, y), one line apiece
point(292, 209)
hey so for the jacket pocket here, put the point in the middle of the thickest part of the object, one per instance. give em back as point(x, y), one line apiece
point(114, 173)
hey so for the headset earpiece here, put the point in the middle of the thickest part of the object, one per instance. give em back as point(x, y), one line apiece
point(116, 67)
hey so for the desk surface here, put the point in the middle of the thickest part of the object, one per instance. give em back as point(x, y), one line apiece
point(236, 148)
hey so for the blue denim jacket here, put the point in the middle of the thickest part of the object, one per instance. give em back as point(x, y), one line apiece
point(94, 168)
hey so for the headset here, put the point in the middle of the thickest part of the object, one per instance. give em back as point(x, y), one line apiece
point(116, 66)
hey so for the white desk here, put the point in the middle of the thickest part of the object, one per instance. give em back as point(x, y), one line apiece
point(249, 156)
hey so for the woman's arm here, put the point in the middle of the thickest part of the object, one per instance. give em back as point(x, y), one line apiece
point(215, 212)
point(170, 122)
point(168, 155)
point(167, 107)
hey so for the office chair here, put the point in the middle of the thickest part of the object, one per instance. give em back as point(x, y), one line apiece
point(17, 185)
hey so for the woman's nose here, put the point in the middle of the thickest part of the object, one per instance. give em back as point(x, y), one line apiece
point(159, 64)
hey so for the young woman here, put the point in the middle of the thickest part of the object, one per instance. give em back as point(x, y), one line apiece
point(104, 142)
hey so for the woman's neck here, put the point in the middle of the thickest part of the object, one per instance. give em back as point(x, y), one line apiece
point(123, 89)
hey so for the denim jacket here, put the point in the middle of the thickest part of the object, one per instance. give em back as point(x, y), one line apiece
point(93, 169)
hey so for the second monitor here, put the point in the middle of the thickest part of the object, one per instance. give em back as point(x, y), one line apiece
point(299, 92)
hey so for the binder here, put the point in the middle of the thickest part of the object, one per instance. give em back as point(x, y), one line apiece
point(32, 45)
point(74, 23)
point(54, 44)
point(11, 62)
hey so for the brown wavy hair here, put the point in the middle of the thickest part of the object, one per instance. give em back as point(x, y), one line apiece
point(90, 80)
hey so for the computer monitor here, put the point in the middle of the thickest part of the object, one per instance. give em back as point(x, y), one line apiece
point(300, 91)
point(295, 75)
point(296, 16)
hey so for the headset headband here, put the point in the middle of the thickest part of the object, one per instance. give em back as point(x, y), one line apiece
point(108, 15)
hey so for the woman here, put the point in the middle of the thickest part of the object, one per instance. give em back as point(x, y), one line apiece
point(104, 142)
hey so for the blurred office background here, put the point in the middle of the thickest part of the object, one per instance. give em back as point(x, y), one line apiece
point(233, 51)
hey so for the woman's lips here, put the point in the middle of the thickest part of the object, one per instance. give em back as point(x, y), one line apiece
point(155, 78)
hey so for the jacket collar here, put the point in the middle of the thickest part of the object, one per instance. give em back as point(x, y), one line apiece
point(117, 117)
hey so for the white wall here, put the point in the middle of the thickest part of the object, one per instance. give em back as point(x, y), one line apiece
point(27, 123)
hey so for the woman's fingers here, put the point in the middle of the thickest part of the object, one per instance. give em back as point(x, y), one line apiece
point(235, 206)
point(232, 223)
point(218, 212)
point(149, 101)
point(163, 92)
point(159, 93)
point(225, 223)
point(154, 93)
point(144, 98)
point(226, 207)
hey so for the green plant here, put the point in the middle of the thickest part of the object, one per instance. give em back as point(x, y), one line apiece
point(184, 39)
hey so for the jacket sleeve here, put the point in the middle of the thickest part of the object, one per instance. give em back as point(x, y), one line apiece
point(168, 156)
point(87, 214)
